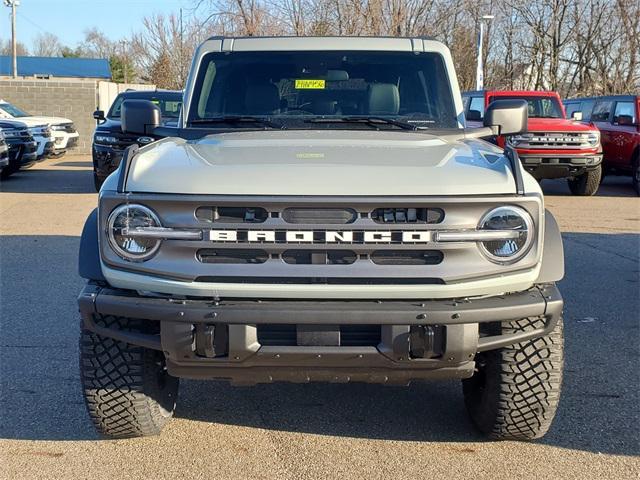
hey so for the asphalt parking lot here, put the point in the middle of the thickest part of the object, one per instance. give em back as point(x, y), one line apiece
point(311, 431)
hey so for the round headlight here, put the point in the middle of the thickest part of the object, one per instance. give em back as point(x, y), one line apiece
point(508, 218)
point(128, 217)
point(593, 138)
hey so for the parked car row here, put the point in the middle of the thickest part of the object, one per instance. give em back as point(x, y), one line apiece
point(592, 138)
point(22, 148)
point(618, 119)
point(109, 142)
point(31, 138)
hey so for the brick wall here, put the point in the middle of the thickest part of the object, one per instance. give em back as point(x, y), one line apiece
point(73, 99)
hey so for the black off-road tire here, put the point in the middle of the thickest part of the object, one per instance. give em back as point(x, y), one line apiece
point(8, 171)
point(586, 184)
point(515, 392)
point(127, 390)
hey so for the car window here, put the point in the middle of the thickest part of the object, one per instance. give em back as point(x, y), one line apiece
point(297, 86)
point(571, 108)
point(13, 110)
point(170, 108)
point(477, 103)
point(538, 107)
point(625, 108)
point(587, 108)
point(601, 111)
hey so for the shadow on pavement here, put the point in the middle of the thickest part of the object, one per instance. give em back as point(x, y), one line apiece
point(612, 186)
point(40, 393)
point(77, 164)
point(38, 180)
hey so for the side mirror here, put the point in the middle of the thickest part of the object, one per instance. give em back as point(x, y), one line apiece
point(474, 116)
point(140, 117)
point(577, 115)
point(98, 115)
point(625, 120)
point(507, 117)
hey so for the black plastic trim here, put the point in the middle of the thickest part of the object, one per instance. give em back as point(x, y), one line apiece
point(516, 168)
point(542, 300)
point(89, 254)
point(125, 165)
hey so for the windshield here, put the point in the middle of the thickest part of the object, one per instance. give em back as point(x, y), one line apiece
point(170, 107)
point(294, 88)
point(539, 107)
point(13, 110)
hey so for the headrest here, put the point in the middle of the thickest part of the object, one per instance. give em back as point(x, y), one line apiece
point(337, 75)
point(324, 107)
point(384, 99)
point(262, 99)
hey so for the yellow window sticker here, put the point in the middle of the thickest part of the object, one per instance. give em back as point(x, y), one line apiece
point(308, 84)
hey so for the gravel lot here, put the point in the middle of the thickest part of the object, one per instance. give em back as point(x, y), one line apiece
point(310, 431)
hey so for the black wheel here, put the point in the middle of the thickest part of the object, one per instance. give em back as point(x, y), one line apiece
point(97, 181)
point(8, 171)
point(127, 390)
point(586, 184)
point(636, 173)
point(515, 392)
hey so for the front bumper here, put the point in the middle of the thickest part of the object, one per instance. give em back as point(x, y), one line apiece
point(65, 140)
point(555, 165)
point(186, 325)
point(29, 153)
point(106, 159)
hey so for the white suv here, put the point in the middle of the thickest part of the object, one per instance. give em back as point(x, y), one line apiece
point(55, 140)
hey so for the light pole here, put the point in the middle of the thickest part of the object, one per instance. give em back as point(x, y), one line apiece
point(14, 43)
point(480, 67)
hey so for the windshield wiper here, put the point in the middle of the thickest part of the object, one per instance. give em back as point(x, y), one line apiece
point(236, 119)
point(372, 121)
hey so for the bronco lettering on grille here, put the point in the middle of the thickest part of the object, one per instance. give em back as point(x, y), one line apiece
point(318, 236)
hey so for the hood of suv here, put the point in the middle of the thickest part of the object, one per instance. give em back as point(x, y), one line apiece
point(558, 125)
point(36, 120)
point(321, 163)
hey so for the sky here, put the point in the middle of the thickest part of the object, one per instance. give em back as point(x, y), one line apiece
point(68, 19)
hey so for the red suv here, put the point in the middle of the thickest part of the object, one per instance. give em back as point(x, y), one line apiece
point(554, 147)
point(618, 118)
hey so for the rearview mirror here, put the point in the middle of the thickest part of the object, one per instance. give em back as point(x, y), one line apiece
point(577, 115)
point(98, 115)
point(507, 117)
point(140, 117)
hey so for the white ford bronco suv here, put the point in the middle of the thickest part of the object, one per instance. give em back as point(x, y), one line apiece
point(321, 214)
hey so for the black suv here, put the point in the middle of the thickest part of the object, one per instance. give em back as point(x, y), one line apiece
point(109, 142)
point(22, 146)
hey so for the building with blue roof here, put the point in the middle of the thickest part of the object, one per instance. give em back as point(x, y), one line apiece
point(57, 67)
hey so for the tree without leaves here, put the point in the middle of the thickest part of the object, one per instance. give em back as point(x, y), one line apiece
point(578, 47)
point(47, 45)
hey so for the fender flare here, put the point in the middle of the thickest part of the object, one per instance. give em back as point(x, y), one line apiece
point(89, 254)
point(552, 269)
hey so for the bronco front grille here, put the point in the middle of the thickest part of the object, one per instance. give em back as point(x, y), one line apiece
point(555, 140)
point(278, 240)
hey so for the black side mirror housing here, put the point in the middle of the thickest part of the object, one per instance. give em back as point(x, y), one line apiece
point(140, 117)
point(507, 117)
point(474, 116)
point(98, 115)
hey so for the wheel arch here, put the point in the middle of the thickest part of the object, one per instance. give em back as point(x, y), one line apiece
point(553, 251)
point(89, 254)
